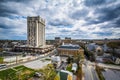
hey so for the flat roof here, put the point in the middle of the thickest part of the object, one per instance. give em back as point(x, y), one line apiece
point(69, 46)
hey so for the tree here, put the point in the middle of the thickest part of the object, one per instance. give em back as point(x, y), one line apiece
point(69, 60)
point(77, 59)
point(48, 72)
point(1, 59)
point(113, 45)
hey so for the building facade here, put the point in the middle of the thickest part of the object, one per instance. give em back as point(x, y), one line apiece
point(35, 31)
point(70, 50)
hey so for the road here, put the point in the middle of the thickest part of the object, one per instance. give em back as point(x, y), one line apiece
point(89, 71)
point(94, 73)
point(105, 65)
point(111, 74)
point(21, 63)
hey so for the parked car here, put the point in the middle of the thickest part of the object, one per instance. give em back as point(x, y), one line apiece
point(37, 74)
point(74, 67)
point(2, 66)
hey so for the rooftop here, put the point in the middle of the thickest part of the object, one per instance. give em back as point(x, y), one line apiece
point(63, 75)
point(70, 46)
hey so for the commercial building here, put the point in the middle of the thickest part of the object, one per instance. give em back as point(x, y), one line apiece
point(57, 39)
point(67, 38)
point(40, 50)
point(35, 37)
point(35, 31)
point(70, 49)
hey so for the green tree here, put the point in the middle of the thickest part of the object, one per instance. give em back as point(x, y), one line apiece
point(69, 60)
point(113, 45)
point(48, 72)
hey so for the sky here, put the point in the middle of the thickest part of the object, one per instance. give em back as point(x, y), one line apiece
point(78, 19)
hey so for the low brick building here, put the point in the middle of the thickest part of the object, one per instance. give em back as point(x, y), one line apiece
point(70, 50)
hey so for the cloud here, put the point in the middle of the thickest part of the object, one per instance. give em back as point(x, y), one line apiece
point(58, 22)
point(108, 13)
point(103, 33)
point(78, 14)
point(80, 19)
point(94, 3)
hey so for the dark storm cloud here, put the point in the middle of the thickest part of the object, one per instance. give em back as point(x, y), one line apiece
point(64, 31)
point(91, 21)
point(58, 22)
point(106, 14)
point(75, 18)
point(6, 26)
point(3, 26)
point(78, 14)
point(14, 1)
point(103, 33)
point(117, 23)
point(94, 3)
point(5, 11)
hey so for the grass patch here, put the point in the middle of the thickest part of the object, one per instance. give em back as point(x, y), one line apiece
point(100, 75)
point(23, 68)
point(7, 74)
point(69, 67)
point(16, 73)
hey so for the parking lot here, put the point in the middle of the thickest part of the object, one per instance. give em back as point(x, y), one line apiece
point(37, 64)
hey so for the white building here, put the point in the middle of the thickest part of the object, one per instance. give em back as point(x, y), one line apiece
point(56, 60)
point(35, 31)
point(74, 67)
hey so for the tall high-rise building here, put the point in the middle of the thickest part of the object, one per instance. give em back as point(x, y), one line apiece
point(35, 31)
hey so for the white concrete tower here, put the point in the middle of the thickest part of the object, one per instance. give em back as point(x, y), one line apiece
point(35, 31)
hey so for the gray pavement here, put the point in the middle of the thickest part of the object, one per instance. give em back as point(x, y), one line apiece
point(37, 64)
point(110, 74)
point(89, 71)
point(94, 73)
point(22, 63)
